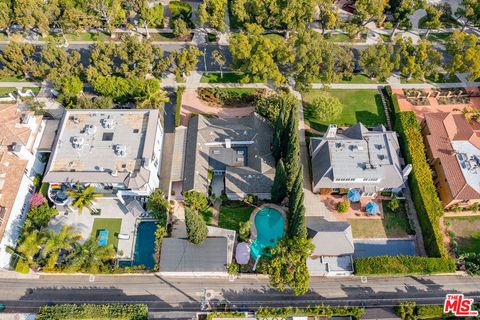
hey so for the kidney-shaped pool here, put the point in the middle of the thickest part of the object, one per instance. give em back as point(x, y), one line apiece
point(270, 226)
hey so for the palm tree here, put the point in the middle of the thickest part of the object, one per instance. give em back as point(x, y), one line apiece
point(154, 98)
point(83, 197)
point(55, 242)
point(31, 246)
point(90, 257)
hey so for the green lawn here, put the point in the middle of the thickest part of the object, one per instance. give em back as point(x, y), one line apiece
point(342, 37)
point(86, 36)
point(359, 78)
point(229, 77)
point(359, 105)
point(440, 36)
point(442, 78)
point(231, 215)
point(110, 224)
point(12, 79)
point(207, 215)
point(6, 91)
point(163, 36)
point(467, 232)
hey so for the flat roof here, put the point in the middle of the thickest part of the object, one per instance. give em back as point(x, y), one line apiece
point(468, 157)
point(97, 143)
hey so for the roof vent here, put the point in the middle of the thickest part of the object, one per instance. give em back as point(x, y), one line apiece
point(90, 129)
point(120, 150)
point(24, 119)
point(228, 143)
point(368, 166)
point(77, 142)
point(107, 123)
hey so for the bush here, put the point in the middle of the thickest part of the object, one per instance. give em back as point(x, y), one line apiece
point(430, 312)
point(424, 193)
point(385, 265)
point(228, 97)
point(233, 269)
point(178, 109)
point(394, 204)
point(94, 311)
point(197, 230)
point(244, 230)
point(22, 267)
point(180, 29)
point(392, 103)
point(342, 207)
point(326, 107)
point(158, 206)
point(196, 200)
point(410, 310)
point(316, 311)
point(231, 314)
point(180, 9)
point(37, 199)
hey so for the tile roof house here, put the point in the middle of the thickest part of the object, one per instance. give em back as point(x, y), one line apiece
point(20, 162)
point(238, 150)
point(334, 247)
point(368, 160)
point(453, 150)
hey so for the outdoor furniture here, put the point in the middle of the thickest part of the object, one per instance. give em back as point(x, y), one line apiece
point(102, 238)
point(372, 208)
point(353, 195)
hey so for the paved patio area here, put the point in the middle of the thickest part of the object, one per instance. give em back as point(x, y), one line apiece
point(83, 222)
point(356, 210)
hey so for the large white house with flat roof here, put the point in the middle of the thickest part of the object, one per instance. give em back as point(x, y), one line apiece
point(117, 151)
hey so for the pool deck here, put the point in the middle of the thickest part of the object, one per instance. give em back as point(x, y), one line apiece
point(253, 228)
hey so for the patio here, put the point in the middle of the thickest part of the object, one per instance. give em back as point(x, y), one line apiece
point(357, 210)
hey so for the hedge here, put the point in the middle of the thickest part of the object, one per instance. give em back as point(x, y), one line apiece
point(316, 311)
point(424, 194)
point(94, 312)
point(410, 310)
point(178, 109)
point(387, 265)
point(392, 101)
point(430, 312)
point(233, 314)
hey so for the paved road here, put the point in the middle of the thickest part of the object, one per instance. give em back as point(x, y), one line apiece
point(184, 294)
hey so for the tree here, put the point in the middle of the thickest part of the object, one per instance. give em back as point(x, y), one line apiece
point(180, 28)
point(109, 12)
point(38, 14)
point(244, 230)
point(57, 65)
point(465, 51)
point(63, 240)
point(213, 13)
point(153, 16)
point(38, 217)
point(287, 267)
point(158, 206)
point(220, 59)
point(196, 200)
point(186, 60)
point(377, 61)
point(326, 107)
point(90, 257)
point(394, 204)
point(16, 59)
point(292, 154)
point(136, 57)
point(154, 97)
point(432, 19)
point(370, 10)
point(279, 186)
point(470, 11)
point(197, 230)
point(417, 61)
point(296, 210)
point(83, 197)
point(37, 199)
point(31, 246)
point(401, 11)
point(327, 14)
point(71, 88)
point(76, 20)
point(5, 14)
point(342, 206)
point(101, 60)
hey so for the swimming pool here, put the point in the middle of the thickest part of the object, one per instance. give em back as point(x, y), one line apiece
point(372, 248)
point(270, 229)
point(145, 244)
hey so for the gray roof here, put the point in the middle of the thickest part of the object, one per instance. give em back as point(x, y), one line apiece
point(179, 255)
point(331, 238)
point(250, 140)
point(48, 136)
point(246, 180)
point(96, 159)
point(357, 158)
point(179, 153)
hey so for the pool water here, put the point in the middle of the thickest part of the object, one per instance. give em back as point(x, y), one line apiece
point(270, 229)
point(145, 244)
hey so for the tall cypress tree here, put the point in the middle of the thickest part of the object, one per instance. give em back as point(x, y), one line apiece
point(292, 155)
point(277, 135)
point(298, 226)
point(296, 195)
point(279, 186)
point(197, 230)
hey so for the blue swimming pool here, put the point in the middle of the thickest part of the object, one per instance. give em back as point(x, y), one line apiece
point(270, 229)
point(145, 244)
point(373, 248)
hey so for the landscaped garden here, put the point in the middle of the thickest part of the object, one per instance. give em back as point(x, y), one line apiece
point(228, 77)
point(109, 224)
point(465, 231)
point(233, 213)
point(358, 105)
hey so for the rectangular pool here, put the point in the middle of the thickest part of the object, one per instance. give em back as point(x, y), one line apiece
point(372, 248)
point(145, 244)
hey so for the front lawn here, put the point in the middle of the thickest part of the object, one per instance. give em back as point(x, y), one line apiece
point(466, 231)
point(393, 225)
point(12, 79)
point(359, 78)
point(111, 224)
point(359, 105)
point(86, 36)
point(439, 36)
point(228, 77)
point(6, 91)
point(232, 214)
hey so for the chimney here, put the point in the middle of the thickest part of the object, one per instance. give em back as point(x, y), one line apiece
point(406, 171)
point(331, 131)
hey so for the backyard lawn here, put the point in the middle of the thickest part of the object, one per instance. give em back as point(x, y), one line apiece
point(233, 214)
point(359, 105)
point(467, 232)
point(110, 224)
point(393, 225)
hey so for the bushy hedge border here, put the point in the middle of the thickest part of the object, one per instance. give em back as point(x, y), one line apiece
point(424, 193)
point(233, 314)
point(410, 310)
point(316, 311)
point(386, 265)
point(94, 311)
point(393, 106)
point(178, 108)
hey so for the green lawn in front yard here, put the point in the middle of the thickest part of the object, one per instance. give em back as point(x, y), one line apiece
point(232, 214)
point(393, 225)
point(359, 78)
point(228, 77)
point(111, 224)
point(439, 36)
point(467, 232)
point(6, 91)
point(12, 79)
point(86, 36)
point(359, 105)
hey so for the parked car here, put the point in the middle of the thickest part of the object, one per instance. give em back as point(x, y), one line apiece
point(2, 307)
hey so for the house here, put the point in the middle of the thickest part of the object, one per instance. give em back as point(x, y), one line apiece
point(117, 151)
point(334, 247)
point(231, 155)
point(368, 160)
point(20, 161)
point(179, 257)
point(453, 151)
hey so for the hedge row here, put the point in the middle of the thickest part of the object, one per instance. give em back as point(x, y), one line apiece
point(94, 312)
point(316, 311)
point(178, 109)
point(386, 265)
point(424, 193)
point(392, 102)
point(410, 310)
point(223, 315)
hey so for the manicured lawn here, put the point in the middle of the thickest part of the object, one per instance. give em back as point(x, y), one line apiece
point(467, 232)
point(86, 36)
point(110, 224)
point(167, 37)
point(233, 214)
point(359, 78)
point(229, 77)
point(440, 36)
point(207, 216)
point(342, 37)
point(442, 78)
point(6, 91)
point(393, 225)
point(359, 105)
point(13, 79)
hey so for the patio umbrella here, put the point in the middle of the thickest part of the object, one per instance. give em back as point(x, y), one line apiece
point(353, 195)
point(242, 254)
point(372, 208)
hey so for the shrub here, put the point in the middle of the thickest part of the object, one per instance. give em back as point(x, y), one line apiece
point(158, 206)
point(326, 107)
point(233, 269)
point(197, 230)
point(22, 266)
point(178, 109)
point(37, 199)
point(180, 29)
point(410, 310)
point(385, 265)
point(392, 103)
point(180, 10)
point(343, 206)
point(94, 311)
point(244, 230)
point(196, 200)
point(231, 314)
point(37, 180)
point(424, 193)
point(394, 204)
point(228, 97)
point(315, 311)
point(430, 312)
point(39, 216)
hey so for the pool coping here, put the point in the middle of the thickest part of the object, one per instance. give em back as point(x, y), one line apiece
point(253, 228)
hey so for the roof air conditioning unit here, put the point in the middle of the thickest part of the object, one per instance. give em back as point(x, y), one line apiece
point(90, 129)
point(107, 123)
point(77, 142)
point(120, 150)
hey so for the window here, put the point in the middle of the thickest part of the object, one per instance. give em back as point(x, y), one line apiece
point(107, 136)
point(136, 131)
